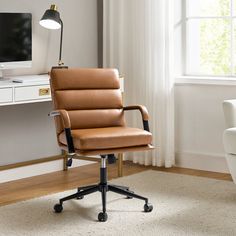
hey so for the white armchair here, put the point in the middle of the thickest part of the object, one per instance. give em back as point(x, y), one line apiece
point(229, 136)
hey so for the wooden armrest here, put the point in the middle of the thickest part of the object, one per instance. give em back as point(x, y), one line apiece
point(141, 108)
point(64, 116)
point(144, 113)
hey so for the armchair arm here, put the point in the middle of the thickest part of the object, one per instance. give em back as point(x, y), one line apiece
point(229, 140)
point(229, 107)
point(64, 116)
point(144, 113)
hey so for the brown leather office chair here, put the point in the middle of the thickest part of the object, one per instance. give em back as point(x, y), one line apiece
point(89, 118)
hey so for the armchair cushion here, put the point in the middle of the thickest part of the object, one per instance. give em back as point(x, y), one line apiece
point(106, 138)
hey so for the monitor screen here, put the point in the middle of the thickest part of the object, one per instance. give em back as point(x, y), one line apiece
point(15, 37)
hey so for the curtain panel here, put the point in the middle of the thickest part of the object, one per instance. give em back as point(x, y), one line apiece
point(138, 41)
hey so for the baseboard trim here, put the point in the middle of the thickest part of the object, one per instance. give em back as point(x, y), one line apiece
point(31, 162)
point(202, 161)
point(37, 167)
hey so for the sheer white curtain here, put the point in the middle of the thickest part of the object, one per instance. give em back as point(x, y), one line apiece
point(138, 41)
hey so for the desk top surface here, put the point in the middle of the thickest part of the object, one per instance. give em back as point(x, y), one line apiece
point(27, 80)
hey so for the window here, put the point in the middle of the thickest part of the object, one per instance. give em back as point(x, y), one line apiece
point(210, 27)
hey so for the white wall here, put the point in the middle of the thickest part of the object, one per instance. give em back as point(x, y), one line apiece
point(26, 131)
point(200, 124)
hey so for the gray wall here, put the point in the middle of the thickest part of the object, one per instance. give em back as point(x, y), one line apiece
point(26, 131)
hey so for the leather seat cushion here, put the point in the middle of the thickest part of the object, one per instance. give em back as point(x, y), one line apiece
point(107, 138)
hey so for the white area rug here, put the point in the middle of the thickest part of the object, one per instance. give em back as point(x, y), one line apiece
point(183, 205)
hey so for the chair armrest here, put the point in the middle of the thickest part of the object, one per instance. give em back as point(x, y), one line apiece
point(64, 116)
point(144, 113)
point(67, 128)
point(141, 108)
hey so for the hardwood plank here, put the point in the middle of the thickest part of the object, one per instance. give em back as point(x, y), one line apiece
point(59, 181)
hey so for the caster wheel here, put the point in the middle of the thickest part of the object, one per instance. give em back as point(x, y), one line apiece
point(148, 207)
point(58, 208)
point(128, 197)
point(79, 198)
point(102, 217)
point(69, 162)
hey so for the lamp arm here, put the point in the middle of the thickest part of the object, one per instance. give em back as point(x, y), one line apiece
point(60, 63)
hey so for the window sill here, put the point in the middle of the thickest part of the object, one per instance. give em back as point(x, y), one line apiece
point(194, 80)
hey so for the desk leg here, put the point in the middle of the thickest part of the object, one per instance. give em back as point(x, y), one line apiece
point(120, 164)
point(65, 159)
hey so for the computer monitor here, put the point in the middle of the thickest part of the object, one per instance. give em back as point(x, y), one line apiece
point(15, 40)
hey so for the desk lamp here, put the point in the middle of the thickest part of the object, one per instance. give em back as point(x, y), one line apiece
point(51, 20)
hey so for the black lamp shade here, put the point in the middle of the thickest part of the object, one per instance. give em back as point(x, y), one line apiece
point(51, 19)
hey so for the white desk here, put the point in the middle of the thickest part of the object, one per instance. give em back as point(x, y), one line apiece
point(35, 88)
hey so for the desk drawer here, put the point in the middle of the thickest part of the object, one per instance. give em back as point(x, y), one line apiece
point(32, 93)
point(6, 95)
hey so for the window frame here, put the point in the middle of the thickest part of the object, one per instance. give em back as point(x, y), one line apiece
point(232, 42)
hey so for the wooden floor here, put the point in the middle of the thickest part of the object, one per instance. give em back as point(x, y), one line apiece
point(64, 180)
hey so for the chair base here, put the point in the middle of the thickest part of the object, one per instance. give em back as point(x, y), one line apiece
point(103, 187)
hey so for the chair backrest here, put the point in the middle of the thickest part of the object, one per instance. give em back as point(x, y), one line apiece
point(92, 97)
